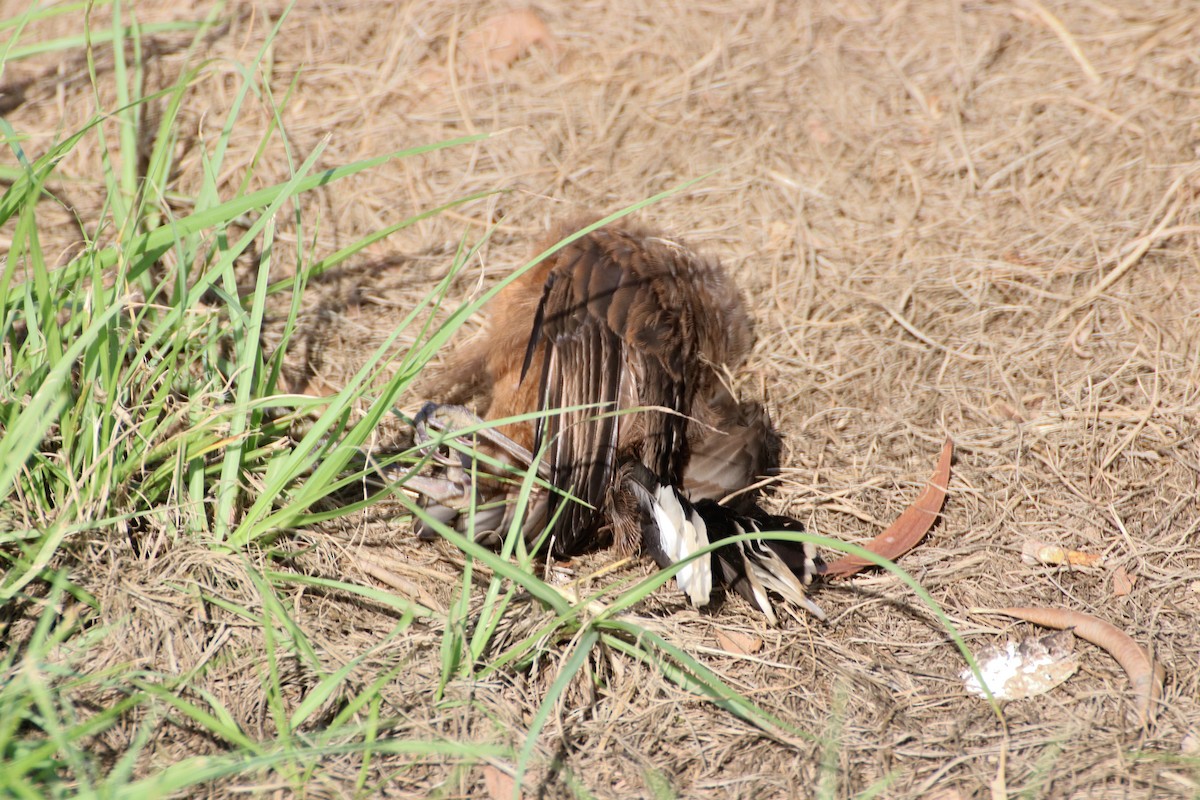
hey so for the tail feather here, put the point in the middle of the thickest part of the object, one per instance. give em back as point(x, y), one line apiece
point(765, 564)
point(756, 568)
point(672, 530)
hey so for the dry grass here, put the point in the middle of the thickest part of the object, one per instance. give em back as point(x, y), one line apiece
point(974, 219)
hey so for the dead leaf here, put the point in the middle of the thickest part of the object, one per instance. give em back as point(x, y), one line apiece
point(742, 644)
point(499, 784)
point(818, 131)
point(1036, 552)
point(903, 534)
point(935, 104)
point(506, 37)
point(1122, 582)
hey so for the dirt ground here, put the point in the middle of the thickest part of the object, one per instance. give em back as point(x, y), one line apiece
point(974, 219)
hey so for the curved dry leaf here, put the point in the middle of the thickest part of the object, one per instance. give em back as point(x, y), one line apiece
point(1146, 678)
point(908, 529)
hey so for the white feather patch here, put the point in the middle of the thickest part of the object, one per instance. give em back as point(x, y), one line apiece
point(682, 534)
point(698, 583)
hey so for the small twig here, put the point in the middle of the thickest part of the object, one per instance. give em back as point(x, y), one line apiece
point(402, 585)
point(908, 326)
point(1017, 163)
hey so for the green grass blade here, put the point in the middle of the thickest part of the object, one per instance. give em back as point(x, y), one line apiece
point(566, 673)
point(153, 243)
point(25, 435)
point(384, 598)
point(98, 38)
point(690, 674)
point(247, 378)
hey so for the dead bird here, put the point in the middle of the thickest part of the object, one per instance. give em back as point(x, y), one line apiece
point(624, 340)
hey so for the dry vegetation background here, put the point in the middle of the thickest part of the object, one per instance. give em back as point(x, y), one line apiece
point(975, 219)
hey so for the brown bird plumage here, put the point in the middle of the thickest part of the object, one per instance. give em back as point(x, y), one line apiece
point(620, 319)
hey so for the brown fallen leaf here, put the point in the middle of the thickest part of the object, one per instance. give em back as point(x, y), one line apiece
point(1122, 582)
point(740, 643)
point(1035, 552)
point(506, 37)
point(903, 534)
point(1146, 678)
point(499, 784)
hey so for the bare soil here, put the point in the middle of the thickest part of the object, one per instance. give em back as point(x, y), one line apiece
point(974, 219)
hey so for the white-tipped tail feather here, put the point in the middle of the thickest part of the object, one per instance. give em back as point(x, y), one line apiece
point(672, 530)
point(758, 567)
point(765, 570)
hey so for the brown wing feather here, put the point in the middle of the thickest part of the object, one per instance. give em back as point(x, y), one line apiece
point(735, 447)
point(583, 369)
point(612, 343)
point(583, 366)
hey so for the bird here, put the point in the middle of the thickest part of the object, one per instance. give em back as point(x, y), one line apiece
point(605, 371)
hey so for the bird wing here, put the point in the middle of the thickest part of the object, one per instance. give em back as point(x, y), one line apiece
point(611, 344)
point(734, 450)
point(582, 376)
